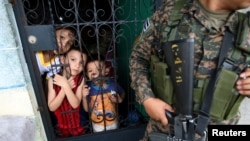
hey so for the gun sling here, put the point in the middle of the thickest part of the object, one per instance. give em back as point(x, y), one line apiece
point(203, 116)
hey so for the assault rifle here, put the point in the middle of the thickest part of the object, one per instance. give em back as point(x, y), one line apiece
point(179, 55)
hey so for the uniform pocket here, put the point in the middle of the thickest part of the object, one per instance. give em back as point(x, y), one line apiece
point(160, 81)
point(226, 100)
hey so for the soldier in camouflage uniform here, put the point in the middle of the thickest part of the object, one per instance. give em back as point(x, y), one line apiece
point(206, 22)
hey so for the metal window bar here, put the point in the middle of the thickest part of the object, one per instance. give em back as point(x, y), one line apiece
point(106, 27)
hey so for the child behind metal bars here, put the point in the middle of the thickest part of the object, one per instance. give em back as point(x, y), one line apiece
point(101, 96)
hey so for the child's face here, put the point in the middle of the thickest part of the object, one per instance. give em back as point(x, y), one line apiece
point(75, 60)
point(65, 39)
point(93, 69)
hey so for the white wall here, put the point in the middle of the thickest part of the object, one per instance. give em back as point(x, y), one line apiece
point(17, 98)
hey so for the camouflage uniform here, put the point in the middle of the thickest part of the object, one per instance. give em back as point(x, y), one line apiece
point(208, 39)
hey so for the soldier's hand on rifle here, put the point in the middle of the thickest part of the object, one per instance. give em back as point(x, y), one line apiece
point(156, 109)
point(243, 84)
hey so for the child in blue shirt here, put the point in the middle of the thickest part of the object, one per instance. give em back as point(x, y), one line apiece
point(101, 96)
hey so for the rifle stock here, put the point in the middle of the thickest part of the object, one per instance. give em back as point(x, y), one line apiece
point(179, 56)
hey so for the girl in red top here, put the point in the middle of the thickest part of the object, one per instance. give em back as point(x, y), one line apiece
point(64, 94)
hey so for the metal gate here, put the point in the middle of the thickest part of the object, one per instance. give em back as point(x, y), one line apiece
point(103, 27)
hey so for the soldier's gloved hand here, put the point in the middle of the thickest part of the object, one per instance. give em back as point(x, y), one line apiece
point(243, 84)
point(156, 109)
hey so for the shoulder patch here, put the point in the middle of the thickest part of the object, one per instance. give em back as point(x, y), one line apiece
point(146, 25)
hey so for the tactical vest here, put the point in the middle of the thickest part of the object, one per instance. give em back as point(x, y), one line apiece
point(226, 100)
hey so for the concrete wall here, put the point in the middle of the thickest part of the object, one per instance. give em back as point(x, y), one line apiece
point(17, 98)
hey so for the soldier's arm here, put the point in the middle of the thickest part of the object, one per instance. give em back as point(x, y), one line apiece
point(139, 64)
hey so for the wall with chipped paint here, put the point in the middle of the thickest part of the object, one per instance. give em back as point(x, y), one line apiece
point(17, 98)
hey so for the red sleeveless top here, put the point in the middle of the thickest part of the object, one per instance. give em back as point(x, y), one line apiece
point(68, 119)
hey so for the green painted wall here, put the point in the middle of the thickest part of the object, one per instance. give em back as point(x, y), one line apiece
point(130, 25)
point(131, 21)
